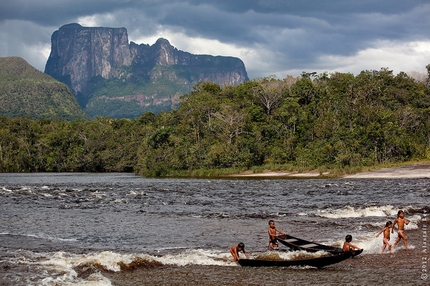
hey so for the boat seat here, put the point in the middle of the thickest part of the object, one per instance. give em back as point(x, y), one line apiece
point(290, 240)
point(308, 245)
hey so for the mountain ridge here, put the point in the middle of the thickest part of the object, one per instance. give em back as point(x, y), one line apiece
point(113, 77)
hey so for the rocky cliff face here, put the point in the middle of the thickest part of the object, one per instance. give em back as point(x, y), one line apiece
point(80, 53)
point(102, 67)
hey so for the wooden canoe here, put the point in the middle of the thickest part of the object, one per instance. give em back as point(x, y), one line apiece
point(295, 243)
point(318, 262)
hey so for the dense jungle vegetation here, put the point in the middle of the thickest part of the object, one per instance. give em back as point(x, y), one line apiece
point(316, 121)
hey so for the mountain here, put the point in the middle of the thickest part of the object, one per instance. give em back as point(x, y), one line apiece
point(112, 77)
point(26, 91)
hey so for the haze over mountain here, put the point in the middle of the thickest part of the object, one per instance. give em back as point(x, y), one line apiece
point(26, 91)
point(112, 77)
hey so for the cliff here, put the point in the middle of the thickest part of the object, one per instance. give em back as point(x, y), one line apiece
point(112, 77)
point(26, 91)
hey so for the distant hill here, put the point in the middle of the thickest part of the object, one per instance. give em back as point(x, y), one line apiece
point(26, 91)
point(112, 77)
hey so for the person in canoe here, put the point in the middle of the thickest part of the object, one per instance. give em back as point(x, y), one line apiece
point(400, 221)
point(386, 238)
point(348, 246)
point(235, 249)
point(273, 231)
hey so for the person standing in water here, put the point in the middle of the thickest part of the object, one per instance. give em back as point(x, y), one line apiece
point(400, 221)
point(386, 238)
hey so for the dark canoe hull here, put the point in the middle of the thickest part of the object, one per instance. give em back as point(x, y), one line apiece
point(295, 243)
point(356, 252)
point(314, 262)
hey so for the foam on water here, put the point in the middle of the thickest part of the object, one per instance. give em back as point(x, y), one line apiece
point(351, 212)
point(95, 279)
point(370, 243)
point(387, 211)
point(57, 269)
point(195, 256)
point(63, 268)
point(289, 255)
point(60, 268)
point(41, 236)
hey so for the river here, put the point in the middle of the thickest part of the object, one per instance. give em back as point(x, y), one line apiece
point(122, 229)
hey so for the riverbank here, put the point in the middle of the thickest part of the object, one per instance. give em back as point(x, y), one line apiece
point(417, 170)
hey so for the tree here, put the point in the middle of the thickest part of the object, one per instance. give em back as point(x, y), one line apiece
point(271, 93)
point(230, 122)
point(304, 90)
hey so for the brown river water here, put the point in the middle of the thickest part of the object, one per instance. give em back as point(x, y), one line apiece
point(121, 229)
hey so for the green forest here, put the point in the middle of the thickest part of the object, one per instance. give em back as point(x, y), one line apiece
point(335, 122)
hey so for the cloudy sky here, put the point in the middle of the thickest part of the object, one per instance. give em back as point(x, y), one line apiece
point(272, 37)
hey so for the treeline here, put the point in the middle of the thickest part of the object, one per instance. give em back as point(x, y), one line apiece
point(316, 121)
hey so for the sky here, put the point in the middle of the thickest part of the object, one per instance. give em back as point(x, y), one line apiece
point(272, 37)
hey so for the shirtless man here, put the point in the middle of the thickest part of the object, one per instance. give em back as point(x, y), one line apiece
point(400, 221)
point(273, 241)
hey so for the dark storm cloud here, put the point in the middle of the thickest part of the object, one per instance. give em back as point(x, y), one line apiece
point(244, 20)
point(289, 35)
point(49, 13)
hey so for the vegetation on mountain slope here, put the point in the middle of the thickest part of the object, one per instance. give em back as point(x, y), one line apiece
point(25, 91)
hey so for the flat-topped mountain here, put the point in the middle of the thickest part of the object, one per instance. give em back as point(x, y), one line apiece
point(112, 77)
point(26, 91)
